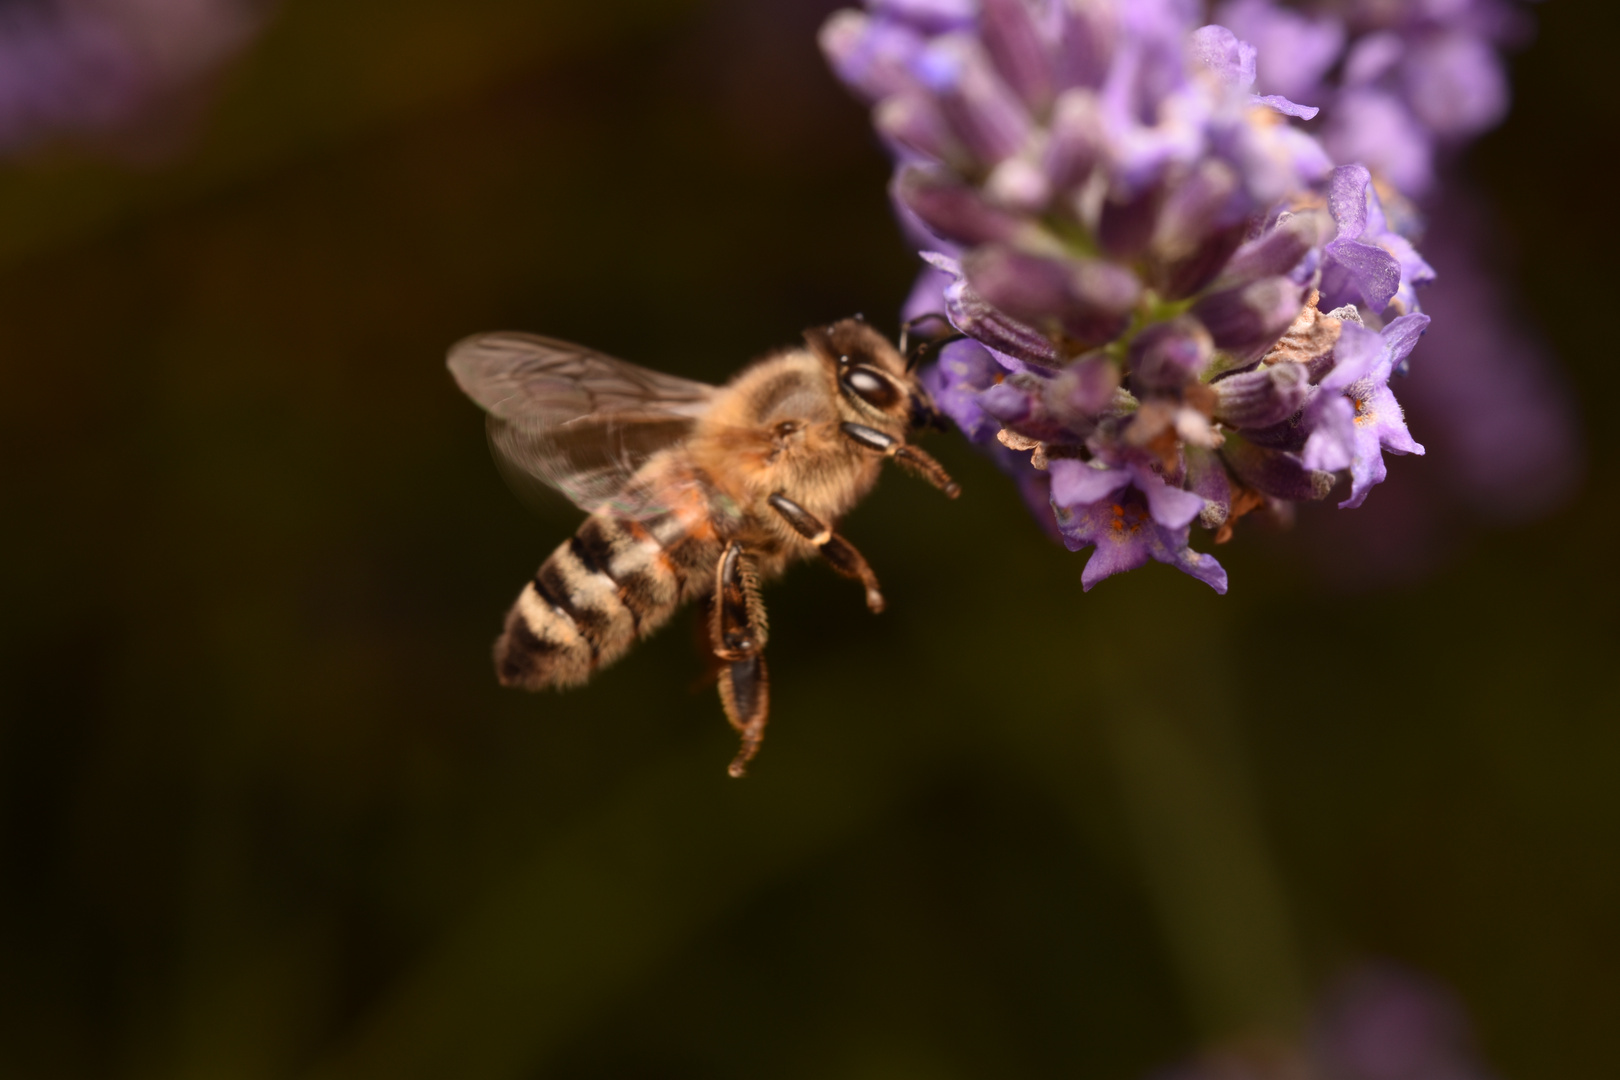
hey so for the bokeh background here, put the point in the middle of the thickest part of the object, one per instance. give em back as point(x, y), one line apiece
point(265, 813)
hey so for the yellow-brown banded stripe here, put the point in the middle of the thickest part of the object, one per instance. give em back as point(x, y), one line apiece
point(609, 584)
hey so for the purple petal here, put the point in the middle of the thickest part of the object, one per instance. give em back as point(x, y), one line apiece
point(928, 292)
point(1357, 352)
point(1075, 483)
point(1196, 563)
point(1170, 506)
point(1220, 51)
point(1008, 403)
point(1286, 107)
point(1331, 445)
point(1352, 270)
point(964, 369)
point(1347, 200)
point(1294, 51)
point(1402, 334)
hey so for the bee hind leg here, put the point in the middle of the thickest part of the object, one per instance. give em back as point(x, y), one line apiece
point(737, 631)
point(840, 553)
point(745, 691)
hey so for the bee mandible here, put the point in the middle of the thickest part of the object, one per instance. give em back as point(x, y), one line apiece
point(695, 492)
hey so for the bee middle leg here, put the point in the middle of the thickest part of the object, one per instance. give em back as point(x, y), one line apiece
point(737, 631)
point(912, 459)
point(834, 548)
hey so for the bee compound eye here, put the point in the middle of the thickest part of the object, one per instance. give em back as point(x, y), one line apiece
point(874, 389)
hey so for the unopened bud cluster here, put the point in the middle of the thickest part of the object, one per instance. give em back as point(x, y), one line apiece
point(1177, 309)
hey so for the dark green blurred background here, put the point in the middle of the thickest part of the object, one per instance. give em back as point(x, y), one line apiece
point(265, 813)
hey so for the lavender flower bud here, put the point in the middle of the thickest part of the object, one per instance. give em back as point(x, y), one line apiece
point(1125, 223)
point(1077, 138)
point(952, 209)
point(873, 55)
point(1088, 33)
point(973, 315)
point(1013, 40)
point(1245, 321)
point(1199, 226)
point(1170, 355)
point(1090, 299)
point(1258, 399)
point(1206, 478)
point(986, 116)
point(1279, 249)
point(1086, 387)
point(1272, 472)
point(915, 123)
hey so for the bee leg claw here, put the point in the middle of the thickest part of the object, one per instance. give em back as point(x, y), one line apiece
point(745, 691)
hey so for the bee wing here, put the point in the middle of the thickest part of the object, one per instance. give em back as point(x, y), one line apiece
point(574, 419)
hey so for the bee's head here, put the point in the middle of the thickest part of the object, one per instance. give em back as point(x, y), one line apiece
point(875, 383)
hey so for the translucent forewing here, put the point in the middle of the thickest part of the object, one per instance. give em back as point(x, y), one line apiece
point(572, 418)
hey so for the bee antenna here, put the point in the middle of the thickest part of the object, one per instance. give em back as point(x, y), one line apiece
point(915, 356)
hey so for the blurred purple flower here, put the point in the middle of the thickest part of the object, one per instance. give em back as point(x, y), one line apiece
point(97, 67)
point(1384, 1023)
point(1133, 238)
point(1400, 81)
point(1379, 1023)
point(1493, 403)
point(1405, 84)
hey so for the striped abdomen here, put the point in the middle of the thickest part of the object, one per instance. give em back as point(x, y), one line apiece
point(613, 582)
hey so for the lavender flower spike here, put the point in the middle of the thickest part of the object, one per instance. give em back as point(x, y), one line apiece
point(1144, 251)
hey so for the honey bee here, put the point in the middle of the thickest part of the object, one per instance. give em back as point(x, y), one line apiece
point(695, 492)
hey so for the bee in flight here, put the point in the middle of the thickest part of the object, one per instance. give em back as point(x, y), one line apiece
point(694, 491)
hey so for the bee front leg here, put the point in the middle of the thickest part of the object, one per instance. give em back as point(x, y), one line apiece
point(834, 548)
point(737, 630)
point(913, 460)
